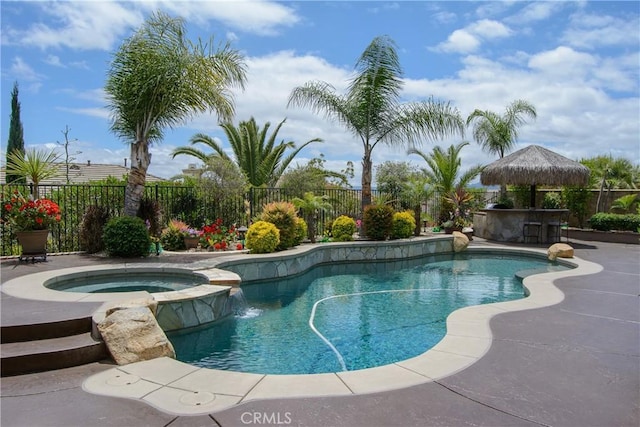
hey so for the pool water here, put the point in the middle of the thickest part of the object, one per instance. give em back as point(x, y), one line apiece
point(150, 282)
point(352, 316)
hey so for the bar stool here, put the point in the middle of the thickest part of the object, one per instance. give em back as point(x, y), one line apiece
point(556, 225)
point(532, 227)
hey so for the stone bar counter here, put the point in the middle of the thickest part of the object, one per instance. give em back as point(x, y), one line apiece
point(506, 225)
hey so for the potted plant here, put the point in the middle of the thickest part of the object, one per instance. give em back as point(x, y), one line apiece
point(30, 220)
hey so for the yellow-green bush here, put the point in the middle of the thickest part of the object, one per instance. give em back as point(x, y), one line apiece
point(301, 230)
point(343, 228)
point(403, 225)
point(262, 237)
point(283, 216)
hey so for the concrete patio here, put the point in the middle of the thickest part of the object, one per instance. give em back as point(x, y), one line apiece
point(576, 363)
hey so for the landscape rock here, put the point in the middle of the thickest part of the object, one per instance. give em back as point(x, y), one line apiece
point(149, 302)
point(460, 241)
point(133, 335)
point(559, 250)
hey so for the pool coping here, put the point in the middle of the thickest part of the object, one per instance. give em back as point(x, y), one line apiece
point(182, 389)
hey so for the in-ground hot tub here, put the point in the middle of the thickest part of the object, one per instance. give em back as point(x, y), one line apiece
point(185, 298)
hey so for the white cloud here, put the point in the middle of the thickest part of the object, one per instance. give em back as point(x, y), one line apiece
point(20, 69)
point(53, 60)
point(563, 63)
point(81, 25)
point(536, 11)
point(591, 31)
point(86, 25)
point(468, 39)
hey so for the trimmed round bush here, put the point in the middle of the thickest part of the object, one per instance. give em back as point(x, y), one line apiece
point(403, 225)
point(172, 239)
point(301, 231)
point(126, 237)
point(283, 216)
point(262, 237)
point(377, 221)
point(343, 228)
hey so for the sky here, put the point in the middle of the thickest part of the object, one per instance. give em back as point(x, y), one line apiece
point(577, 62)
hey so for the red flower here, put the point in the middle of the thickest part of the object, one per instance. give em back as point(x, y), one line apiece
point(239, 246)
point(7, 207)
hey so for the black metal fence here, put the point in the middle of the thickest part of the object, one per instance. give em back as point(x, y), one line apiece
point(194, 205)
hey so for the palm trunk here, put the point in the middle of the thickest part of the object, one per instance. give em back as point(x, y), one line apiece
point(366, 179)
point(600, 193)
point(140, 160)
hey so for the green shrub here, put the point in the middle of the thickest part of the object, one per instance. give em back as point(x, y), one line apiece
point(172, 237)
point(610, 221)
point(377, 221)
point(327, 228)
point(551, 201)
point(92, 227)
point(403, 225)
point(283, 216)
point(262, 237)
point(126, 237)
point(301, 231)
point(343, 228)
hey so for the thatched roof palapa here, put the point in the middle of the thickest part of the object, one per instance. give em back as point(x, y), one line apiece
point(535, 165)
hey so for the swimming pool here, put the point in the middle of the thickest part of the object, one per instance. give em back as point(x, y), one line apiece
point(353, 316)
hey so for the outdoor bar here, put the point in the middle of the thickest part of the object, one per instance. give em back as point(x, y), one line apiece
point(531, 165)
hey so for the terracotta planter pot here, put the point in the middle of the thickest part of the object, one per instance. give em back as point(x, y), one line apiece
point(33, 242)
point(191, 242)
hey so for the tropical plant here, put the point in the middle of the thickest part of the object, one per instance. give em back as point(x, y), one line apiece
point(126, 237)
point(311, 207)
point(15, 142)
point(258, 157)
point(283, 216)
point(312, 176)
point(377, 221)
point(27, 214)
point(262, 237)
point(459, 202)
point(552, 201)
point(444, 172)
point(497, 134)
point(576, 200)
point(159, 79)
point(403, 225)
point(608, 173)
point(35, 165)
point(625, 204)
point(371, 109)
point(343, 229)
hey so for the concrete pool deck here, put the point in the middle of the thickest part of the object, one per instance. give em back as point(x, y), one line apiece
point(573, 363)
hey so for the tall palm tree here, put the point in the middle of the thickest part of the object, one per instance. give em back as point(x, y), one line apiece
point(371, 108)
point(258, 157)
point(496, 133)
point(159, 79)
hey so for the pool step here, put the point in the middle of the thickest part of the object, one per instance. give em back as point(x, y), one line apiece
point(19, 358)
point(43, 331)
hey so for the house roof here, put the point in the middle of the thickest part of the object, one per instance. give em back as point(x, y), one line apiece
point(81, 173)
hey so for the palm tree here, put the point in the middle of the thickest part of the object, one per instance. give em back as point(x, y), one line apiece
point(371, 108)
point(609, 173)
point(444, 167)
point(496, 133)
point(159, 79)
point(312, 206)
point(34, 165)
point(259, 158)
point(444, 171)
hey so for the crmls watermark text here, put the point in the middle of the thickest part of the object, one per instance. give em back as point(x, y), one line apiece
point(264, 418)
